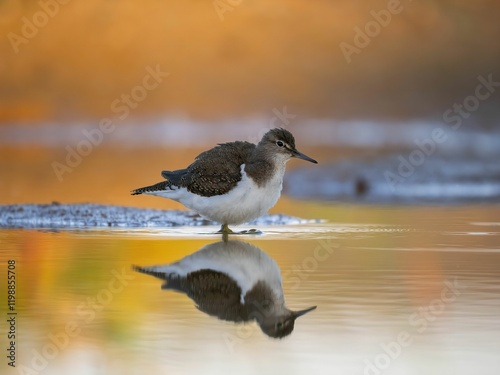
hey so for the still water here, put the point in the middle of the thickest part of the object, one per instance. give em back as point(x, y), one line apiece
point(402, 290)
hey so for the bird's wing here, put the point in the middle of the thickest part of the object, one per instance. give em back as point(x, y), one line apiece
point(150, 271)
point(214, 172)
point(215, 294)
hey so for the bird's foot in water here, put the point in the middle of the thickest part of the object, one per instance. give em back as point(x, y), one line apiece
point(249, 231)
point(225, 231)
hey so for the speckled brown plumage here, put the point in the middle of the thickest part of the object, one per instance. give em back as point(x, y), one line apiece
point(215, 294)
point(214, 172)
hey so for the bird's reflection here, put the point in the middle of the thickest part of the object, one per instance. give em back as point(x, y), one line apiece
point(234, 281)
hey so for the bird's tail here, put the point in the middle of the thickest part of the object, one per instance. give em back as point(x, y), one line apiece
point(164, 185)
point(172, 280)
point(149, 271)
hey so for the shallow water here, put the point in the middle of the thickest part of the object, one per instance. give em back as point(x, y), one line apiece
point(406, 290)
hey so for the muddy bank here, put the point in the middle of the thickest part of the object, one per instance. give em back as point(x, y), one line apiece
point(95, 215)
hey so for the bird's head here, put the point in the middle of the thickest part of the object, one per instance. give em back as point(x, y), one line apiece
point(279, 144)
point(281, 325)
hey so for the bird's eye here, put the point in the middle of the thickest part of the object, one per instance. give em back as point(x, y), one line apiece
point(279, 325)
point(280, 143)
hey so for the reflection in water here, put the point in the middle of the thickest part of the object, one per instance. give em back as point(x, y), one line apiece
point(382, 312)
point(234, 281)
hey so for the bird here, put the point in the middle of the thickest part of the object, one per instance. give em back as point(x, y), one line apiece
point(232, 183)
point(233, 281)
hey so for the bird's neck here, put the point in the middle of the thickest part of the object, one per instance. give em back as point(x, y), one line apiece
point(262, 167)
point(262, 302)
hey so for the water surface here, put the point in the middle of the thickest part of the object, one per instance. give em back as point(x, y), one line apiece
point(408, 290)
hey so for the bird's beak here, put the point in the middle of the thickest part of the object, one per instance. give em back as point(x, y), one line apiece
point(296, 314)
point(300, 155)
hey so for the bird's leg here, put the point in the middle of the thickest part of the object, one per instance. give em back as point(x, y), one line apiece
point(224, 229)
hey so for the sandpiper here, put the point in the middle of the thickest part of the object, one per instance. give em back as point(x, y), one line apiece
point(233, 281)
point(232, 183)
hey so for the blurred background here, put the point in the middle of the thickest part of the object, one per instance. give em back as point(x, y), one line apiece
point(357, 81)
